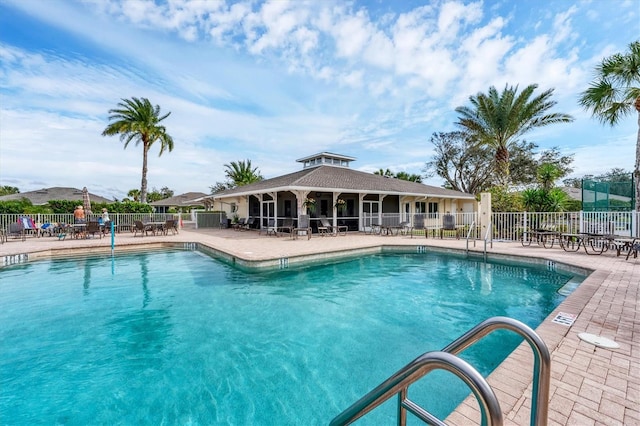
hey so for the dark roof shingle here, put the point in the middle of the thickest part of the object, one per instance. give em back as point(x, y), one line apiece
point(339, 179)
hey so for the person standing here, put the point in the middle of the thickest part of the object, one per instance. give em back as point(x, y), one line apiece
point(106, 222)
point(78, 215)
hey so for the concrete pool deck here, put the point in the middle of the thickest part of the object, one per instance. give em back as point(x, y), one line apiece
point(589, 385)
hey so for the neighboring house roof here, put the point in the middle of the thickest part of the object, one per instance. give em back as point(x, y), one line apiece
point(338, 179)
point(44, 195)
point(186, 199)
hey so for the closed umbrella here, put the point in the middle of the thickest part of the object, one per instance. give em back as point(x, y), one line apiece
point(86, 203)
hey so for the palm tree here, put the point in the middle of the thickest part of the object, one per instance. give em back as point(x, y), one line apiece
point(137, 120)
point(547, 175)
point(241, 173)
point(134, 194)
point(614, 93)
point(386, 173)
point(499, 119)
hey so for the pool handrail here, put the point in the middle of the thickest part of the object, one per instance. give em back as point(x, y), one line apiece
point(400, 381)
point(487, 235)
point(416, 369)
point(471, 229)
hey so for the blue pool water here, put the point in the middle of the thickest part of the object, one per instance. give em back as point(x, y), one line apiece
point(177, 337)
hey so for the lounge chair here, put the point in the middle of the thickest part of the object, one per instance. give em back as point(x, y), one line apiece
point(404, 228)
point(287, 226)
point(249, 224)
point(16, 230)
point(270, 228)
point(239, 224)
point(47, 228)
point(449, 225)
point(418, 225)
point(143, 229)
point(29, 226)
point(303, 226)
point(327, 227)
point(93, 228)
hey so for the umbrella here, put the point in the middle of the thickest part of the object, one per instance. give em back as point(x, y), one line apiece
point(86, 203)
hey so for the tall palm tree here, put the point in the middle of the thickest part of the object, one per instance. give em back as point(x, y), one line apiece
point(499, 119)
point(241, 173)
point(615, 92)
point(137, 120)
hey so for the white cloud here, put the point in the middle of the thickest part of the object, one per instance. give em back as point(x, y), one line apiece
point(268, 80)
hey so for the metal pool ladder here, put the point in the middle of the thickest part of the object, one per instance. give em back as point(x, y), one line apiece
point(446, 359)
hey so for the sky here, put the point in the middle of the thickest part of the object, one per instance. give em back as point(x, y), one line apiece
point(275, 81)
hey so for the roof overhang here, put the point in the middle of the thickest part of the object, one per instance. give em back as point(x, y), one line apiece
point(338, 190)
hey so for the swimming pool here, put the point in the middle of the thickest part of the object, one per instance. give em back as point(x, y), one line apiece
point(177, 337)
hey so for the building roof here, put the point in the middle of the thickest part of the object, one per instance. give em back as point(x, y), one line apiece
point(338, 179)
point(186, 199)
point(43, 196)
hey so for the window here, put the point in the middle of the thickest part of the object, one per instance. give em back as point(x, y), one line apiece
point(324, 208)
point(287, 208)
point(351, 208)
point(433, 210)
point(421, 207)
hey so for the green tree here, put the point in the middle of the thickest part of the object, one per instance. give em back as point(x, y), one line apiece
point(463, 164)
point(615, 93)
point(411, 177)
point(241, 173)
point(468, 167)
point(8, 190)
point(615, 175)
point(381, 172)
point(499, 119)
point(137, 120)
point(221, 186)
point(547, 175)
point(134, 194)
point(162, 194)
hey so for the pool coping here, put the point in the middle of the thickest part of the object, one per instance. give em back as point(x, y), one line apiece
point(606, 302)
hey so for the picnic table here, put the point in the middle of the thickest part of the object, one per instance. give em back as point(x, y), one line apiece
point(542, 237)
point(592, 243)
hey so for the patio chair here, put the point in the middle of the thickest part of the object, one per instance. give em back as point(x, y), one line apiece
point(287, 226)
point(170, 225)
point(29, 226)
point(139, 227)
point(239, 224)
point(92, 228)
point(303, 226)
point(449, 225)
point(249, 224)
point(270, 228)
point(634, 249)
point(404, 228)
point(47, 228)
point(418, 225)
point(328, 227)
point(16, 230)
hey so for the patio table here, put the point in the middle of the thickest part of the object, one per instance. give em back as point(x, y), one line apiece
point(542, 238)
point(76, 230)
point(599, 243)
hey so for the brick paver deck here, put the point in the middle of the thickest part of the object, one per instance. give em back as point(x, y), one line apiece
point(589, 385)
